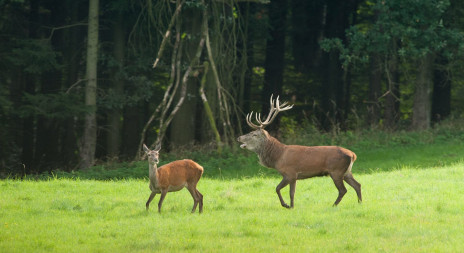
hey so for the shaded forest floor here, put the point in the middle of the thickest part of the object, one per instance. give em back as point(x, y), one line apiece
point(376, 150)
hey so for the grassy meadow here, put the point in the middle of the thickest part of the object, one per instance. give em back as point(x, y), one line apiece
point(413, 202)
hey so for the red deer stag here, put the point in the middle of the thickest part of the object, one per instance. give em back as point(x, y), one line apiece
point(172, 177)
point(295, 162)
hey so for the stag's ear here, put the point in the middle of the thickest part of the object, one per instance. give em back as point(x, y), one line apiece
point(264, 132)
point(158, 147)
point(145, 148)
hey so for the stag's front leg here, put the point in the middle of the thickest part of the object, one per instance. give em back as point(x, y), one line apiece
point(281, 185)
point(292, 192)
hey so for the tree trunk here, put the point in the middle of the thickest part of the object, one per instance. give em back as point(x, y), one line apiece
point(47, 130)
point(275, 52)
point(182, 129)
point(245, 52)
point(209, 90)
point(441, 98)
point(422, 96)
point(332, 86)
point(392, 99)
point(132, 126)
point(89, 138)
point(74, 38)
point(207, 129)
point(335, 79)
point(209, 122)
point(375, 85)
point(47, 146)
point(28, 127)
point(113, 140)
point(306, 33)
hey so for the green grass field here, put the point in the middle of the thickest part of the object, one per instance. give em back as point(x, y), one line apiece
point(413, 191)
point(406, 210)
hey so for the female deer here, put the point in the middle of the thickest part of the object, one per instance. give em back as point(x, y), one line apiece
point(173, 177)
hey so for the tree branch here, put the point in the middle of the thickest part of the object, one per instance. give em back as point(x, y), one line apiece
point(64, 27)
point(209, 112)
point(168, 33)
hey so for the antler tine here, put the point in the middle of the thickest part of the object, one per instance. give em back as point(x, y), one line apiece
point(276, 107)
point(258, 118)
point(248, 120)
point(281, 105)
point(273, 101)
point(271, 112)
point(284, 105)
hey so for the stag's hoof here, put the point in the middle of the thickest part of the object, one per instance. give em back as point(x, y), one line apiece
point(286, 206)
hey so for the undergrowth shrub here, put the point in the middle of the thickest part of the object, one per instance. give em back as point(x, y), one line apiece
point(305, 134)
point(233, 162)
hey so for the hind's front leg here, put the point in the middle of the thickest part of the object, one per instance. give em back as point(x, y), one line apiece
point(152, 195)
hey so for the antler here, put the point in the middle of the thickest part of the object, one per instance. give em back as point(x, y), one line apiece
point(276, 107)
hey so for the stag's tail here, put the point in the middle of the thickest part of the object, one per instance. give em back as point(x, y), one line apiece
point(353, 158)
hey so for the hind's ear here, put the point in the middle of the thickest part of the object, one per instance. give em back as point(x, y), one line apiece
point(158, 147)
point(145, 148)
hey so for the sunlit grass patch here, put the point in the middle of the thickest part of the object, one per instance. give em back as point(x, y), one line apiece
point(405, 210)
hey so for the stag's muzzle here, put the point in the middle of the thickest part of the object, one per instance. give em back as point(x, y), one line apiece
point(243, 145)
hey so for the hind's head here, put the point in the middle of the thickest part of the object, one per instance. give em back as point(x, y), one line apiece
point(153, 155)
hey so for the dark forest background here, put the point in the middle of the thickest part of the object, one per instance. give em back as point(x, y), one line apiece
point(85, 81)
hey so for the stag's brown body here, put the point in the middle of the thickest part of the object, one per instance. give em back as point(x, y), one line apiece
point(300, 162)
point(172, 177)
point(295, 162)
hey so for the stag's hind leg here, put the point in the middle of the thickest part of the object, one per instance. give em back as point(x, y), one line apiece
point(201, 200)
point(338, 181)
point(349, 179)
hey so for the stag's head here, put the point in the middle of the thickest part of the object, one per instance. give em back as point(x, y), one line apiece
point(153, 155)
point(254, 140)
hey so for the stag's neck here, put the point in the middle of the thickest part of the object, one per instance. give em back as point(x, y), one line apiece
point(270, 152)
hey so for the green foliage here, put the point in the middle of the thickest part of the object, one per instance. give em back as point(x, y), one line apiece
point(417, 25)
point(53, 106)
point(141, 84)
point(33, 56)
point(5, 103)
point(449, 131)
